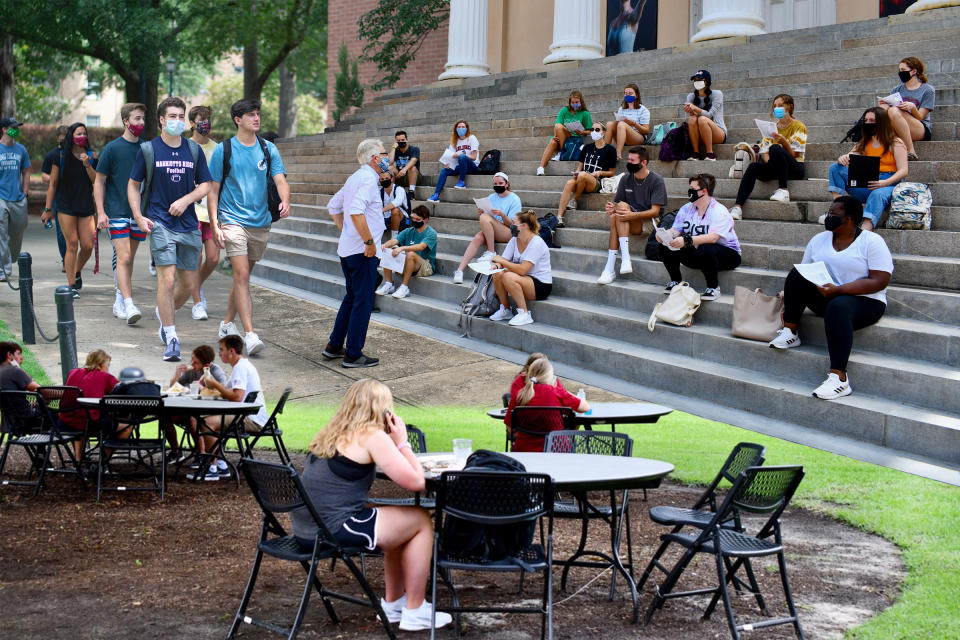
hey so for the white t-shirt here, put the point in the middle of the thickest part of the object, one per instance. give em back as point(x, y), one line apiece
point(244, 376)
point(536, 252)
point(468, 145)
point(359, 196)
point(716, 219)
point(868, 252)
point(398, 199)
point(640, 115)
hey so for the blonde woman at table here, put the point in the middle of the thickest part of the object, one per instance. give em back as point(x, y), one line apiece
point(365, 434)
point(540, 390)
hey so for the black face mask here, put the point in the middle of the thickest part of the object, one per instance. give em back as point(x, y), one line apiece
point(401, 145)
point(869, 128)
point(514, 230)
point(633, 168)
point(385, 183)
point(499, 188)
point(693, 194)
point(904, 75)
point(418, 224)
point(832, 222)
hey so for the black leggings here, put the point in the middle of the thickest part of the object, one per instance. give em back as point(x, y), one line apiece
point(780, 167)
point(709, 258)
point(842, 315)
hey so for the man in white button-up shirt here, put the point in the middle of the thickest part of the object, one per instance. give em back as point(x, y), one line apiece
point(358, 211)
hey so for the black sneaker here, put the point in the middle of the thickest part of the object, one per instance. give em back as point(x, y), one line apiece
point(332, 353)
point(670, 286)
point(78, 283)
point(75, 292)
point(360, 361)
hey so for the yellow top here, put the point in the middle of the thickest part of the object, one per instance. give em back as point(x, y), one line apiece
point(795, 133)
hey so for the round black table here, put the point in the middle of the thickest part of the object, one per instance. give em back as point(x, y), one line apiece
point(611, 413)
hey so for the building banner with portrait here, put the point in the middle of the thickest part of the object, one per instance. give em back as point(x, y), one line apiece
point(631, 26)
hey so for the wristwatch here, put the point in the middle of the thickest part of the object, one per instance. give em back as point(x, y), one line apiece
point(370, 241)
point(46, 209)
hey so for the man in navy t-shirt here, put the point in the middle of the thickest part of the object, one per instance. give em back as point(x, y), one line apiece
point(180, 178)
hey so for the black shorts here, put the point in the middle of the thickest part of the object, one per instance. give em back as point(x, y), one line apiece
point(541, 289)
point(927, 132)
point(360, 530)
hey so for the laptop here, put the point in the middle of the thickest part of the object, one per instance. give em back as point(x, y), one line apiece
point(863, 170)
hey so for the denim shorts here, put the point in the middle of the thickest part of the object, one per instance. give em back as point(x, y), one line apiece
point(180, 248)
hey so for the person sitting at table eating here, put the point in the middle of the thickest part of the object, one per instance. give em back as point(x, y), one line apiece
point(94, 381)
point(521, 378)
point(365, 434)
point(540, 390)
point(200, 359)
point(244, 380)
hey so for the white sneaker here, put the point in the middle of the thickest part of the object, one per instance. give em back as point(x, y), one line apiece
point(118, 309)
point(833, 387)
point(227, 329)
point(419, 619)
point(199, 311)
point(606, 277)
point(252, 343)
point(785, 339)
point(402, 292)
point(152, 269)
point(736, 212)
point(626, 266)
point(539, 171)
point(822, 218)
point(572, 205)
point(780, 195)
point(458, 277)
point(385, 289)
point(394, 610)
point(522, 318)
point(503, 313)
point(555, 158)
point(133, 314)
point(710, 293)
point(487, 256)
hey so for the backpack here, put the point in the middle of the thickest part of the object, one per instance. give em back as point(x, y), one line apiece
point(652, 248)
point(910, 206)
point(676, 144)
point(855, 132)
point(660, 132)
point(743, 155)
point(548, 227)
point(571, 149)
point(148, 160)
point(489, 543)
point(273, 195)
point(481, 302)
point(489, 163)
point(678, 309)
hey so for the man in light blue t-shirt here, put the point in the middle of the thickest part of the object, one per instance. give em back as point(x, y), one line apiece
point(239, 216)
point(14, 186)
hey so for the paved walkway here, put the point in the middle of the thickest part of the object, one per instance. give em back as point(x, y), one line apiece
point(419, 370)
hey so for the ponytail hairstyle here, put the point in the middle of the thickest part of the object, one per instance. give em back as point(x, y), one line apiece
point(533, 356)
point(540, 371)
point(529, 218)
point(917, 65)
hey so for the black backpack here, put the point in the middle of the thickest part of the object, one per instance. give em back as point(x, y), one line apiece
point(676, 145)
point(273, 195)
point(548, 226)
point(489, 163)
point(855, 132)
point(652, 250)
point(405, 207)
point(488, 543)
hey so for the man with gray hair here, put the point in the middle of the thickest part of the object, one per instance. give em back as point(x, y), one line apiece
point(358, 212)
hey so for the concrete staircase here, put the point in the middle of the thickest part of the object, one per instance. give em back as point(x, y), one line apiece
point(906, 404)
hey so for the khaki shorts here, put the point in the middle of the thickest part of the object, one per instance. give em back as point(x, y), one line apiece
point(245, 241)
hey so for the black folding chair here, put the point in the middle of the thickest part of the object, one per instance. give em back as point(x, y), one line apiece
point(483, 499)
point(615, 515)
point(538, 421)
point(700, 514)
point(62, 402)
point(418, 444)
point(28, 423)
point(232, 430)
point(278, 489)
point(759, 490)
point(272, 430)
point(124, 422)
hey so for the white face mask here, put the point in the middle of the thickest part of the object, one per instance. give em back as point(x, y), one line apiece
point(699, 84)
point(596, 135)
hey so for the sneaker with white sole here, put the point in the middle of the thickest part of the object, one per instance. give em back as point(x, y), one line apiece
point(458, 277)
point(133, 313)
point(210, 475)
point(434, 198)
point(252, 343)
point(152, 268)
point(199, 311)
point(736, 212)
point(394, 610)
point(385, 289)
point(487, 256)
point(539, 171)
point(606, 277)
point(555, 158)
point(160, 331)
point(626, 266)
point(503, 313)
point(670, 286)
point(522, 318)
point(402, 292)
point(833, 387)
point(460, 185)
point(780, 195)
point(227, 329)
point(118, 309)
point(172, 354)
point(572, 205)
point(710, 293)
point(785, 339)
point(420, 619)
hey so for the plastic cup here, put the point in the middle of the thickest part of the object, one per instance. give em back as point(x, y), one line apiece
point(195, 388)
point(462, 447)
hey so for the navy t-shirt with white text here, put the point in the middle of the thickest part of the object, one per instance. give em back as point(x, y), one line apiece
point(174, 176)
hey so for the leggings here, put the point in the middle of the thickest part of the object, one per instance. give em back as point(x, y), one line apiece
point(709, 258)
point(842, 315)
point(780, 167)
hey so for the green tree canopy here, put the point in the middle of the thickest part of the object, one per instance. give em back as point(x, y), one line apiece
point(395, 31)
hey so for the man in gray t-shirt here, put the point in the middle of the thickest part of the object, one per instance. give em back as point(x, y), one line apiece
point(640, 195)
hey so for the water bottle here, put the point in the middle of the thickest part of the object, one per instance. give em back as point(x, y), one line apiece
point(582, 394)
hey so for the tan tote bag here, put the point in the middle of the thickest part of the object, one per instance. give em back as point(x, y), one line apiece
point(756, 316)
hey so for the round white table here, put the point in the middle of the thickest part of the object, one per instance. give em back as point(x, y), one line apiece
point(611, 413)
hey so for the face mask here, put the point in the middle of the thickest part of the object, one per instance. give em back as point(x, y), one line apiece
point(203, 127)
point(385, 183)
point(692, 193)
point(383, 163)
point(904, 75)
point(633, 168)
point(514, 230)
point(699, 84)
point(832, 222)
point(174, 127)
point(779, 112)
point(629, 99)
point(499, 188)
point(596, 135)
point(574, 105)
point(136, 129)
point(80, 141)
point(461, 131)
point(13, 132)
point(418, 224)
point(401, 145)
point(869, 128)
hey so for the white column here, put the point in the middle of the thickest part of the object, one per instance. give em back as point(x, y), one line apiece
point(729, 18)
point(923, 5)
point(578, 30)
point(467, 40)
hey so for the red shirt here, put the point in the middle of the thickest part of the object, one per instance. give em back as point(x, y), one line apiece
point(544, 395)
point(93, 384)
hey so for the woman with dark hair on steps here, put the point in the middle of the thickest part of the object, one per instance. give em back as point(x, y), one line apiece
point(705, 108)
point(910, 118)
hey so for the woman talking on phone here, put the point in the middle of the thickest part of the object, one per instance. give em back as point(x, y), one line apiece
point(365, 434)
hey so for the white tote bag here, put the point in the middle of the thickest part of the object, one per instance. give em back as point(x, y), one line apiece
point(679, 307)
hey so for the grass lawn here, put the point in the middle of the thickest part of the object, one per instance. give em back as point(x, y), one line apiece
point(921, 516)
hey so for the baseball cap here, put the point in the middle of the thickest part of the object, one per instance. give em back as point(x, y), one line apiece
point(6, 123)
point(501, 174)
point(703, 74)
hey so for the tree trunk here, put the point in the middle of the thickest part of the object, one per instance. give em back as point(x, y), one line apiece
point(144, 91)
point(8, 94)
point(251, 87)
point(288, 103)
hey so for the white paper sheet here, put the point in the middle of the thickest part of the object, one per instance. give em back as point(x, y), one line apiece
point(387, 261)
point(448, 158)
point(815, 272)
point(484, 204)
point(573, 125)
point(485, 267)
point(892, 100)
point(665, 237)
point(767, 129)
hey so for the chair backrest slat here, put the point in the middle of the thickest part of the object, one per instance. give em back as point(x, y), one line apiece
point(607, 443)
point(495, 497)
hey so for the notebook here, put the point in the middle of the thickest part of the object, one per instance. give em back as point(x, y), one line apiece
point(863, 169)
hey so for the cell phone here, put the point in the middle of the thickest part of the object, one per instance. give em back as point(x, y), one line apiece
point(386, 420)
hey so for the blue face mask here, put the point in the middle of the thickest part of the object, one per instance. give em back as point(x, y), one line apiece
point(461, 131)
point(779, 112)
point(629, 99)
point(384, 164)
point(574, 105)
point(174, 127)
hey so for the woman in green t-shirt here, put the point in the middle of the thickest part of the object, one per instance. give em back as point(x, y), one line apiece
point(575, 111)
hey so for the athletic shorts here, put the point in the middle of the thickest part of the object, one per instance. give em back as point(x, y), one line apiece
point(245, 241)
point(927, 132)
point(541, 289)
point(206, 232)
point(360, 530)
point(126, 228)
point(180, 248)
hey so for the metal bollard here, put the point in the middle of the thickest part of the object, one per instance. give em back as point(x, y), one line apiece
point(67, 328)
point(25, 267)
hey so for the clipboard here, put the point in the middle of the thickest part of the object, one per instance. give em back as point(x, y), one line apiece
point(862, 171)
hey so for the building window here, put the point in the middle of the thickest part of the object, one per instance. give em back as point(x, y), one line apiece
point(93, 89)
point(93, 121)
